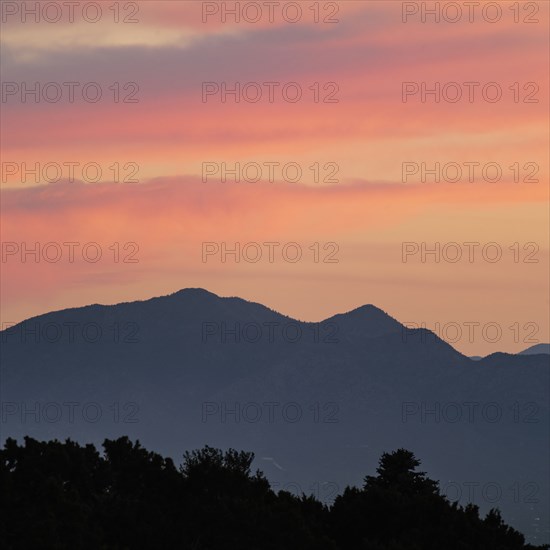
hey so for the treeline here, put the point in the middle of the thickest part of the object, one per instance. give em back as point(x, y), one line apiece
point(58, 495)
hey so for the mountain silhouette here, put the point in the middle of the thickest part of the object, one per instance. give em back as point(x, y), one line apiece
point(537, 348)
point(193, 369)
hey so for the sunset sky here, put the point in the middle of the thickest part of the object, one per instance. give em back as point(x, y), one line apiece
point(352, 124)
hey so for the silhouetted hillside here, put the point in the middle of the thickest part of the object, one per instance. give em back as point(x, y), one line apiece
point(319, 402)
point(536, 349)
point(67, 496)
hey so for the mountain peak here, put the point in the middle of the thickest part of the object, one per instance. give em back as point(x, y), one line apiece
point(369, 309)
point(367, 320)
point(198, 292)
point(536, 349)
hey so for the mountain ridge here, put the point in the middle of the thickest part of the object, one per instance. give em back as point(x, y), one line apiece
point(192, 368)
point(195, 292)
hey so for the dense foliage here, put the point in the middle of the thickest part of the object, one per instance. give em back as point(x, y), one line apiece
point(66, 496)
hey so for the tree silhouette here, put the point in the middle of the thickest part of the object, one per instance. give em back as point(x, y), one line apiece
point(65, 496)
point(396, 472)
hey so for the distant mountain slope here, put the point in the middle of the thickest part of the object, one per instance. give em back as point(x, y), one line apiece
point(310, 399)
point(537, 348)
